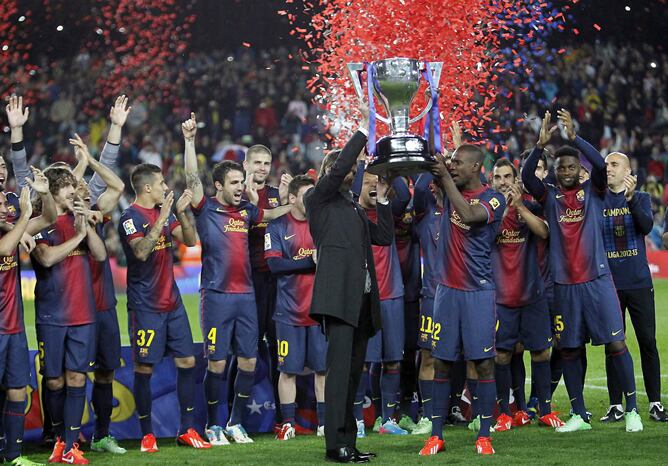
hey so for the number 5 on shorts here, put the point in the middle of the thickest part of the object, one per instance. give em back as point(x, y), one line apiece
point(145, 337)
point(558, 324)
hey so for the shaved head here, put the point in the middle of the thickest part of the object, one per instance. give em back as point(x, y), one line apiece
point(622, 159)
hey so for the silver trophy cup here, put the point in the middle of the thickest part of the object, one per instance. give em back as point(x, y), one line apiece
point(395, 84)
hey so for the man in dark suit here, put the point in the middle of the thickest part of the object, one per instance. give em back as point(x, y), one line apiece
point(345, 294)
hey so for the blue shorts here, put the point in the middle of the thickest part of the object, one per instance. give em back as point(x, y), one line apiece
point(426, 323)
point(229, 324)
point(387, 345)
point(108, 354)
point(154, 335)
point(464, 322)
point(14, 360)
point(528, 324)
point(300, 347)
point(588, 310)
point(411, 324)
point(63, 348)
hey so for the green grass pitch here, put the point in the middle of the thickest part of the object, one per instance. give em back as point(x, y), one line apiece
point(605, 444)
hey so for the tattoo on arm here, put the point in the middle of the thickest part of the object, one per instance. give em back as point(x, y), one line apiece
point(193, 181)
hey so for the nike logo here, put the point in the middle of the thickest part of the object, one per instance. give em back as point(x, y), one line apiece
point(51, 231)
point(549, 340)
point(143, 417)
point(614, 334)
point(212, 402)
point(189, 409)
point(91, 364)
point(486, 417)
point(18, 440)
point(630, 394)
point(487, 350)
point(146, 225)
point(218, 209)
point(74, 428)
point(558, 196)
point(287, 237)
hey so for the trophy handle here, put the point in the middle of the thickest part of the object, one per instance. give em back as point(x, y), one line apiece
point(435, 70)
point(355, 69)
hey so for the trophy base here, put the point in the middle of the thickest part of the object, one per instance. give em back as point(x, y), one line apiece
point(403, 155)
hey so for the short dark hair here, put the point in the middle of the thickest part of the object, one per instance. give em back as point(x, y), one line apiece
point(328, 161)
point(256, 149)
point(223, 168)
point(476, 151)
point(504, 162)
point(298, 182)
point(567, 151)
point(143, 174)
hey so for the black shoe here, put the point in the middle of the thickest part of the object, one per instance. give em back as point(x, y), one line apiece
point(614, 414)
point(456, 418)
point(657, 413)
point(344, 455)
point(364, 454)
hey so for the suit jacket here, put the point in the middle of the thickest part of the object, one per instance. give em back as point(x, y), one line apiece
point(343, 235)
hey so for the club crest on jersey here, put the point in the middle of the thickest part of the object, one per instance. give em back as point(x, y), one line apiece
point(273, 202)
point(243, 213)
point(580, 196)
point(11, 210)
point(408, 217)
point(143, 352)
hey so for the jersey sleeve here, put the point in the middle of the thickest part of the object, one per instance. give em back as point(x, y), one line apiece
point(255, 214)
point(272, 241)
point(173, 222)
point(132, 226)
point(197, 211)
point(495, 204)
point(44, 237)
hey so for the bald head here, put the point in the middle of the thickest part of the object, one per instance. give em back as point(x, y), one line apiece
point(618, 167)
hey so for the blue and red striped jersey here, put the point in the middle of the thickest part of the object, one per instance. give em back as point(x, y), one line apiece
point(11, 303)
point(64, 291)
point(224, 234)
point(268, 199)
point(408, 249)
point(388, 268)
point(290, 239)
point(14, 210)
point(465, 251)
point(577, 253)
point(515, 260)
point(103, 281)
point(151, 285)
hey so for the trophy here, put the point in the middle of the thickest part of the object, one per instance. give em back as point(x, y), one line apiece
point(395, 82)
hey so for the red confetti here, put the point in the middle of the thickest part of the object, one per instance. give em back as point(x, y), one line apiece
point(597, 27)
point(245, 44)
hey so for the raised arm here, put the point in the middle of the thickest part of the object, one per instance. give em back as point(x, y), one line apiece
point(532, 183)
point(422, 195)
point(143, 247)
point(599, 177)
point(402, 196)
point(40, 184)
point(270, 214)
point(193, 182)
point(329, 184)
point(109, 156)
point(17, 117)
point(10, 241)
point(185, 232)
point(640, 205)
point(382, 232)
point(108, 200)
